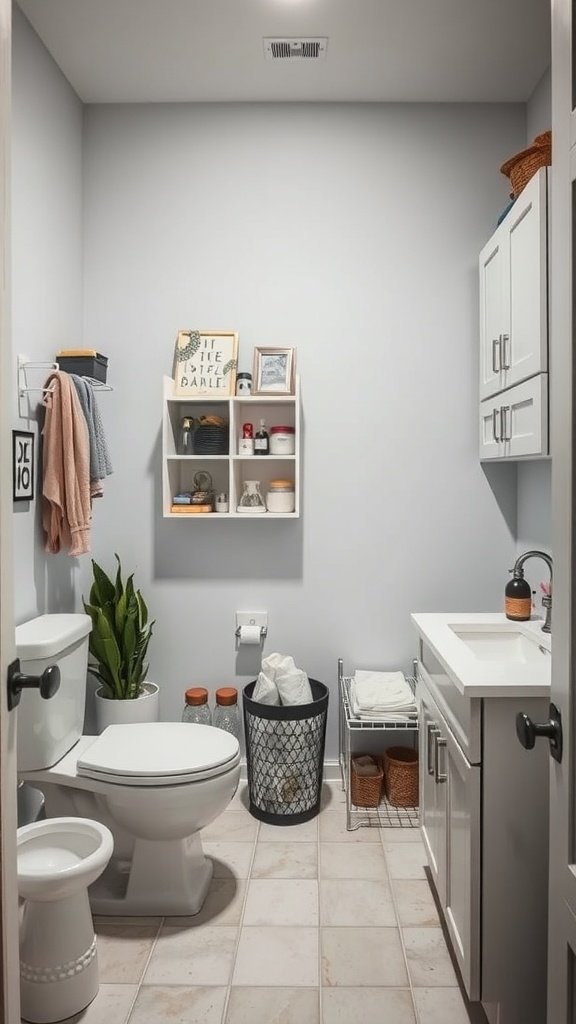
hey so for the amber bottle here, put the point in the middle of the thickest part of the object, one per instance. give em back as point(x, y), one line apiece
point(518, 598)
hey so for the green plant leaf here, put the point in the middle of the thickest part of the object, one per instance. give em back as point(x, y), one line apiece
point(120, 615)
point(119, 586)
point(104, 586)
point(142, 610)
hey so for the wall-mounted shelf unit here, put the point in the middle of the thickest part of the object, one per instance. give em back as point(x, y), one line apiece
point(228, 472)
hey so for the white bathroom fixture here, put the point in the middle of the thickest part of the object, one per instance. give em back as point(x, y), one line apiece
point(154, 784)
point(57, 860)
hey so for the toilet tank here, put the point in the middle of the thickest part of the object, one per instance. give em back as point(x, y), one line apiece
point(47, 729)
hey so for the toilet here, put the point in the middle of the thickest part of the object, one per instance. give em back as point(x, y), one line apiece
point(154, 785)
point(56, 861)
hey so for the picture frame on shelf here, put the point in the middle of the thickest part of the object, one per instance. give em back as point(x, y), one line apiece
point(205, 363)
point(274, 371)
point(23, 471)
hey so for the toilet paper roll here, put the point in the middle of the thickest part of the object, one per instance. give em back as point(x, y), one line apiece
point(249, 634)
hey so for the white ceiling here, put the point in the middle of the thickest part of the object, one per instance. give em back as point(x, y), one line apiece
point(378, 50)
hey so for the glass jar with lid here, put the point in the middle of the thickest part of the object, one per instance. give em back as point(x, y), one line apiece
point(227, 712)
point(281, 497)
point(196, 707)
point(251, 500)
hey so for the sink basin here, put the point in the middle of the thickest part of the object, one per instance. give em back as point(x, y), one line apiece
point(501, 645)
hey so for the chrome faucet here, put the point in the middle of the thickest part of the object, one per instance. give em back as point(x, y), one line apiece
point(518, 572)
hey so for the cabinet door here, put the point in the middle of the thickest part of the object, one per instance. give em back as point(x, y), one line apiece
point(492, 314)
point(461, 780)
point(524, 347)
point(524, 415)
point(514, 424)
point(432, 795)
point(491, 435)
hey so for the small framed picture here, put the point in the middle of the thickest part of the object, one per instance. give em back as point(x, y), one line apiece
point(22, 465)
point(274, 371)
point(205, 363)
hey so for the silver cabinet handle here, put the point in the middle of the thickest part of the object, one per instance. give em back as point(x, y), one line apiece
point(431, 731)
point(495, 413)
point(504, 347)
point(497, 344)
point(439, 741)
point(506, 422)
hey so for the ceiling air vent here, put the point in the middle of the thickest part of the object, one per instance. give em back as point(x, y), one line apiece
point(296, 49)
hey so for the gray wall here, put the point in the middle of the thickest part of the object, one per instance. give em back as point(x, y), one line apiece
point(46, 276)
point(352, 233)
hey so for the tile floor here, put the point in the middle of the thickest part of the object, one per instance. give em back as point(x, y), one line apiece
point(308, 924)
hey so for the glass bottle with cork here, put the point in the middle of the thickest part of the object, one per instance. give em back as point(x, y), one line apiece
point(227, 712)
point(196, 709)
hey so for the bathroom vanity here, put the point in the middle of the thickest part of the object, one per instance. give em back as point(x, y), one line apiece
point(484, 802)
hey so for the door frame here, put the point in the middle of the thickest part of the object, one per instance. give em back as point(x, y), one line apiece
point(9, 958)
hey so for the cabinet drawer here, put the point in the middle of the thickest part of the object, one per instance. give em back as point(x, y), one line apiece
point(463, 714)
point(514, 423)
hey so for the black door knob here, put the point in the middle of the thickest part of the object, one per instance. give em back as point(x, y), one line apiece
point(528, 731)
point(48, 683)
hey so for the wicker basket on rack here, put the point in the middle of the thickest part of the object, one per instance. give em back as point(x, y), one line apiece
point(401, 776)
point(523, 166)
point(365, 790)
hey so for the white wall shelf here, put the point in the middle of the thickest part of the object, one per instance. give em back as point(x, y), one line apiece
point(228, 472)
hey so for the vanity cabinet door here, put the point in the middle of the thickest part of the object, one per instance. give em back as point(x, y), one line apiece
point(461, 782)
point(432, 793)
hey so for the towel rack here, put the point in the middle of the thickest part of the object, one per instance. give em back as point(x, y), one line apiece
point(25, 365)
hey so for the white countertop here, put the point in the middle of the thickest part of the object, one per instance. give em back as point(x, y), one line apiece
point(475, 677)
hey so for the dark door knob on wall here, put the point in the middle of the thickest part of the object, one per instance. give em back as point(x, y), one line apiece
point(528, 731)
point(48, 683)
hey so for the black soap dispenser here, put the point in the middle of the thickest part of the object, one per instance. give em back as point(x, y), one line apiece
point(518, 597)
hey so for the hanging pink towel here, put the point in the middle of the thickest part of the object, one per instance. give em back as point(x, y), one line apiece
point(66, 505)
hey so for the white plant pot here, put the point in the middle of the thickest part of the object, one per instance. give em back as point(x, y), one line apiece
point(144, 708)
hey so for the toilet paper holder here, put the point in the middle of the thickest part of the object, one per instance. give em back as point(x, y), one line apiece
point(263, 631)
point(252, 620)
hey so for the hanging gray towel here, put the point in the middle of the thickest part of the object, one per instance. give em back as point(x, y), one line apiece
point(100, 464)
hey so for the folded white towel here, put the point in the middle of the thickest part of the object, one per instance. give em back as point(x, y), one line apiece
point(381, 691)
point(404, 714)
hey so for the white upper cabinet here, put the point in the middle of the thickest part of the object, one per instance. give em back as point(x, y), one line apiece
point(513, 294)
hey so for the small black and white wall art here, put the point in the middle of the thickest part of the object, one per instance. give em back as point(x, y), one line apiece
point(22, 465)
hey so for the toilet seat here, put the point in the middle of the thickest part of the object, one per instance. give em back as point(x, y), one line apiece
point(159, 754)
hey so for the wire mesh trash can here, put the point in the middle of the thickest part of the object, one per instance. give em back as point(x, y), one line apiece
point(285, 756)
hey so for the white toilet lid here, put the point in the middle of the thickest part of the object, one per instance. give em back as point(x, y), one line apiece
point(159, 753)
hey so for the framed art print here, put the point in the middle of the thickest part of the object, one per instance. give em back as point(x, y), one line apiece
point(22, 465)
point(205, 363)
point(274, 371)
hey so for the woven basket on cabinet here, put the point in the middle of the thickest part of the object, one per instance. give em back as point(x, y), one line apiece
point(523, 166)
point(401, 776)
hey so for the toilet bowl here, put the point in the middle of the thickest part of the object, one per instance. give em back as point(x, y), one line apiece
point(57, 860)
point(154, 784)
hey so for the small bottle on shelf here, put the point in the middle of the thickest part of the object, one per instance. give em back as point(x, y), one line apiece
point(246, 443)
point(262, 440)
point(185, 437)
point(196, 709)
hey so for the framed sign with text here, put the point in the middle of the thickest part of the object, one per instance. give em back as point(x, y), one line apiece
point(22, 465)
point(205, 363)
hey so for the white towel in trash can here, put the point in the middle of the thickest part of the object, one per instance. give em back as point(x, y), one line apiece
point(280, 674)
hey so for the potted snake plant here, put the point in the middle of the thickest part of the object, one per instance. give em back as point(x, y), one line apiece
point(121, 633)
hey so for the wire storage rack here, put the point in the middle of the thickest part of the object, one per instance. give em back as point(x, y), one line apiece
point(350, 729)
